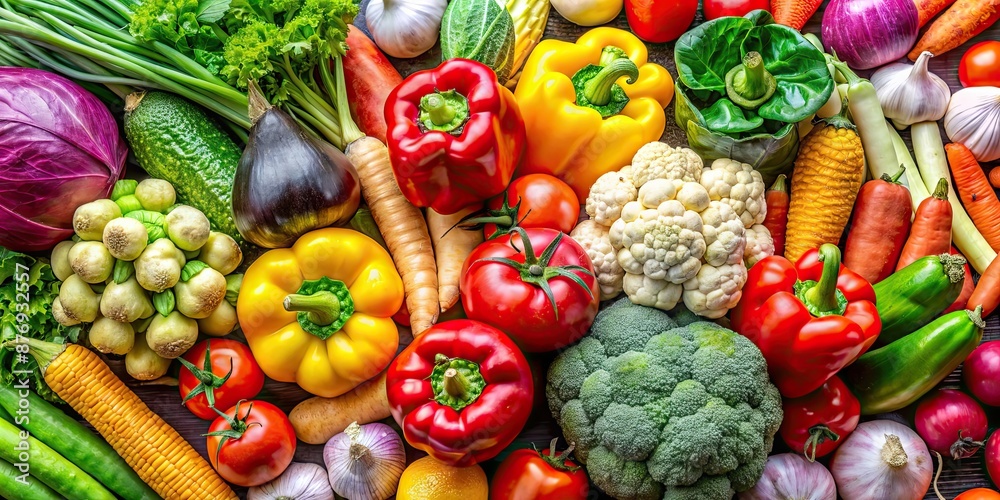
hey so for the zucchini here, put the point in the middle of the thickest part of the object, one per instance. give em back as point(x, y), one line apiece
point(78, 444)
point(913, 296)
point(174, 140)
point(20, 485)
point(898, 374)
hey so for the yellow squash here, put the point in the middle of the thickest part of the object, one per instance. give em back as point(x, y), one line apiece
point(319, 313)
point(828, 174)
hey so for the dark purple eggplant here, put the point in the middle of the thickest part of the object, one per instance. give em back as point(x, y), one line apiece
point(289, 181)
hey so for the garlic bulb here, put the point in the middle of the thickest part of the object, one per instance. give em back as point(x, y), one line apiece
point(365, 461)
point(973, 119)
point(910, 93)
point(405, 28)
point(300, 481)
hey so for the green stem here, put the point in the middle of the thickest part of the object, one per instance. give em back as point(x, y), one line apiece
point(780, 184)
point(750, 85)
point(349, 129)
point(941, 189)
point(598, 89)
point(455, 384)
point(438, 109)
point(322, 308)
point(823, 296)
point(610, 54)
point(895, 178)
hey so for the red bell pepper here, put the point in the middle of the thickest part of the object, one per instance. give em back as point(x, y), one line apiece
point(809, 319)
point(455, 136)
point(461, 392)
point(818, 422)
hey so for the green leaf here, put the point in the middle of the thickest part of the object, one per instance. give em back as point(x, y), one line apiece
point(726, 117)
point(481, 30)
point(210, 11)
point(760, 17)
point(705, 54)
point(769, 154)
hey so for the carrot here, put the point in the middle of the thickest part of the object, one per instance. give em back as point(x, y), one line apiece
point(316, 419)
point(995, 177)
point(370, 77)
point(451, 248)
point(879, 227)
point(962, 21)
point(927, 9)
point(987, 291)
point(794, 13)
point(978, 197)
point(931, 230)
point(403, 228)
point(967, 287)
point(776, 219)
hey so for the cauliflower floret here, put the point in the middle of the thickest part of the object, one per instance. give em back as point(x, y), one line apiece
point(665, 243)
point(759, 245)
point(657, 191)
point(739, 185)
point(593, 237)
point(693, 196)
point(723, 234)
point(645, 291)
point(715, 290)
point(658, 160)
point(609, 194)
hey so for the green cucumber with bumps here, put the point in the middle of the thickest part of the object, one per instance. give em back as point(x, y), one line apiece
point(175, 140)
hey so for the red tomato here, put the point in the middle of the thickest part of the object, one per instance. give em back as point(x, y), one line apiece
point(715, 9)
point(660, 21)
point(979, 494)
point(980, 66)
point(532, 475)
point(204, 371)
point(513, 286)
point(259, 446)
point(535, 200)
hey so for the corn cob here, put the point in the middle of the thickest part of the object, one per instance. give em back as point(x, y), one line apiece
point(828, 173)
point(161, 457)
point(530, 18)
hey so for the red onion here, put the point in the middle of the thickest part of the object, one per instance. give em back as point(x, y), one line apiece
point(882, 459)
point(951, 423)
point(869, 33)
point(993, 457)
point(981, 373)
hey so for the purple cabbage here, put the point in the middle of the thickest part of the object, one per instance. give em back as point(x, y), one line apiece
point(59, 149)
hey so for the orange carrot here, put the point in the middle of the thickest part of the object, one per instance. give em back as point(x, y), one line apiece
point(977, 195)
point(927, 9)
point(987, 292)
point(451, 248)
point(931, 230)
point(776, 220)
point(995, 177)
point(403, 228)
point(794, 13)
point(967, 287)
point(962, 21)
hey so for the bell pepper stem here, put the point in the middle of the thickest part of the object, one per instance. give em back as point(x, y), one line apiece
point(750, 85)
point(443, 111)
point(322, 307)
point(823, 296)
point(598, 88)
point(455, 383)
point(611, 54)
point(438, 109)
point(818, 434)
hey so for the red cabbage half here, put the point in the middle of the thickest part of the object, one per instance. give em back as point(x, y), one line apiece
point(59, 149)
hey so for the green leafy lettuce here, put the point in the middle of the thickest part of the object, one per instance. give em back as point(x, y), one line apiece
point(728, 112)
point(26, 308)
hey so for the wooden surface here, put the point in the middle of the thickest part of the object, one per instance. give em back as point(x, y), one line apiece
point(166, 402)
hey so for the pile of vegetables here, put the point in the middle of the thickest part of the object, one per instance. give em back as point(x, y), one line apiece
point(140, 263)
point(415, 273)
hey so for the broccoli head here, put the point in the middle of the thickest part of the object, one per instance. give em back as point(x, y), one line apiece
point(659, 410)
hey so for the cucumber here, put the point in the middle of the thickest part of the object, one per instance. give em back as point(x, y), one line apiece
point(175, 140)
point(898, 374)
point(20, 485)
point(913, 296)
point(78, 444)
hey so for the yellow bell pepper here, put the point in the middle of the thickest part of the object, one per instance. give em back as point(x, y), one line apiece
point(589, 106)
point(319, 313)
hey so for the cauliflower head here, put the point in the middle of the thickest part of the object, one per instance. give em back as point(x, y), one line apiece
point(657, 160)
point(759, 244)
point(593, 237)
point(739, 185)
point(715, 289)
point(661, 411)
point(665, 242)
point(724, 234)
point(609, 194)
point(646, 291)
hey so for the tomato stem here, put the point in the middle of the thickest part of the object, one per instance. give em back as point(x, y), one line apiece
point(207, 380)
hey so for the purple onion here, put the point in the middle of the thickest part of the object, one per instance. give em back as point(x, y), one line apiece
point(869, 33)
point(59, 149)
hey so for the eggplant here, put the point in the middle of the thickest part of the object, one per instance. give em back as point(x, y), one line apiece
point(289, 181)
